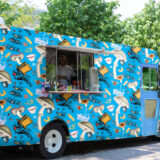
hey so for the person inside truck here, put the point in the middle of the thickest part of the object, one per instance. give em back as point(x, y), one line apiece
point(65, 71)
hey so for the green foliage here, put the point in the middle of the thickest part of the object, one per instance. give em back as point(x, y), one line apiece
point(19, 14)
point(94, 19)
point(143, 29)
point(5, 8)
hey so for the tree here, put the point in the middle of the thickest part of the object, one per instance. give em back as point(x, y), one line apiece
point(144, 28)
point(23, 15)
point(6, 8)
point(94, 19)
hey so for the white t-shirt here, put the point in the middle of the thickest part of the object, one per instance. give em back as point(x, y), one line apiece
point(66, 71)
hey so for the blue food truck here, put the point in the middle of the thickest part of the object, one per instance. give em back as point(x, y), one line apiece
point(58, 88)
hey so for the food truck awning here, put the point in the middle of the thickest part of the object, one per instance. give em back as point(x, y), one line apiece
point(75, 49)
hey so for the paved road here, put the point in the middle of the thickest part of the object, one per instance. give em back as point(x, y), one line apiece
point(133, 149)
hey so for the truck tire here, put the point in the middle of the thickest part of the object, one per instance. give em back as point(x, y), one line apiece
point(52, 141)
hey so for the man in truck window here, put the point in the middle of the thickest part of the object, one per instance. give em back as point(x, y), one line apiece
point(65, 72)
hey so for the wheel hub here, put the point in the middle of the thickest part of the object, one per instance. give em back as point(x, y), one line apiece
point(53, 141)
point(50, 140)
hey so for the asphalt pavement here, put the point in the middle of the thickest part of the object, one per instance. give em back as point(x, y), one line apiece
point(129, 149)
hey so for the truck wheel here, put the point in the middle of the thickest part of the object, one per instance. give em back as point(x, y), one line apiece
point(52, 141)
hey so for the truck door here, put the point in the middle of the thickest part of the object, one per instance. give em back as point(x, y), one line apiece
point(149, 99)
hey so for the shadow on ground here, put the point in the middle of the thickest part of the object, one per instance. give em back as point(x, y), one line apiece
point(112, 150)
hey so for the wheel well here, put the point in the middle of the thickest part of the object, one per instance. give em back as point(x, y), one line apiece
point(60, 123)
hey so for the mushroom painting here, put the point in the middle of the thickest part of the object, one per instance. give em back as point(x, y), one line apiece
point(98, 61)
point(121, 101)
point(120, 56)
point(135, 132)
point(5, 78)
point(4, 28)
point(47, 104)
point(18, 111)
point(151, 56)
point(122, 125)
point(2, 103)
point(133, 85)
point(42, 51)
point(79, 98)
point(120, 78)
point(17, 58)
point(2, 48)
point(87, 128)
point(85, 102)
point(99, 109)
point(57, 36)
point(24, 120)
point(104, 117)
point(146, 52)
point(5, 133)
point(77, 41)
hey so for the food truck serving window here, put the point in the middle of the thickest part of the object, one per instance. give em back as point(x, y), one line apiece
point(68, 69)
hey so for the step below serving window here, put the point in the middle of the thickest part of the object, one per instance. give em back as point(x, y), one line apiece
point(70, 70)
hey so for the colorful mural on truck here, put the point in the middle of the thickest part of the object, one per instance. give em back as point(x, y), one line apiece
point(25, 110)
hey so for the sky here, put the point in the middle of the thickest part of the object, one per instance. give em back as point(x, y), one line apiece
point(127, 7)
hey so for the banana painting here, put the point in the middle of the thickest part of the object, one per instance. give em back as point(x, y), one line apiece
point(84, 45)
point(3, 39)
point(8, 54)
point(48, 119)
point(28, 40)
point(3, 94)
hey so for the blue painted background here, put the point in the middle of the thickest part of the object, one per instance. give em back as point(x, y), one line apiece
point(24, 89)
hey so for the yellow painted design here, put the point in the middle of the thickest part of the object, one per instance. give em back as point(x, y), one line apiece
point(107, 92)
point(125, 83)
point(84, 45)
point(106, 45)
point(48, 119)
point(3, 94)
point(71, 117)
point(127, 130)
point(66, 96)
point(120, 70)
point(124, 116)
point(103, 70)
point(44, 68)
point(29, 102)
point(25, 121)
point(29, 92)
point(71, 127)
point(8, 109)
point(3, 39)
point(28, 40)
point(91, 106)
point(8, 54)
